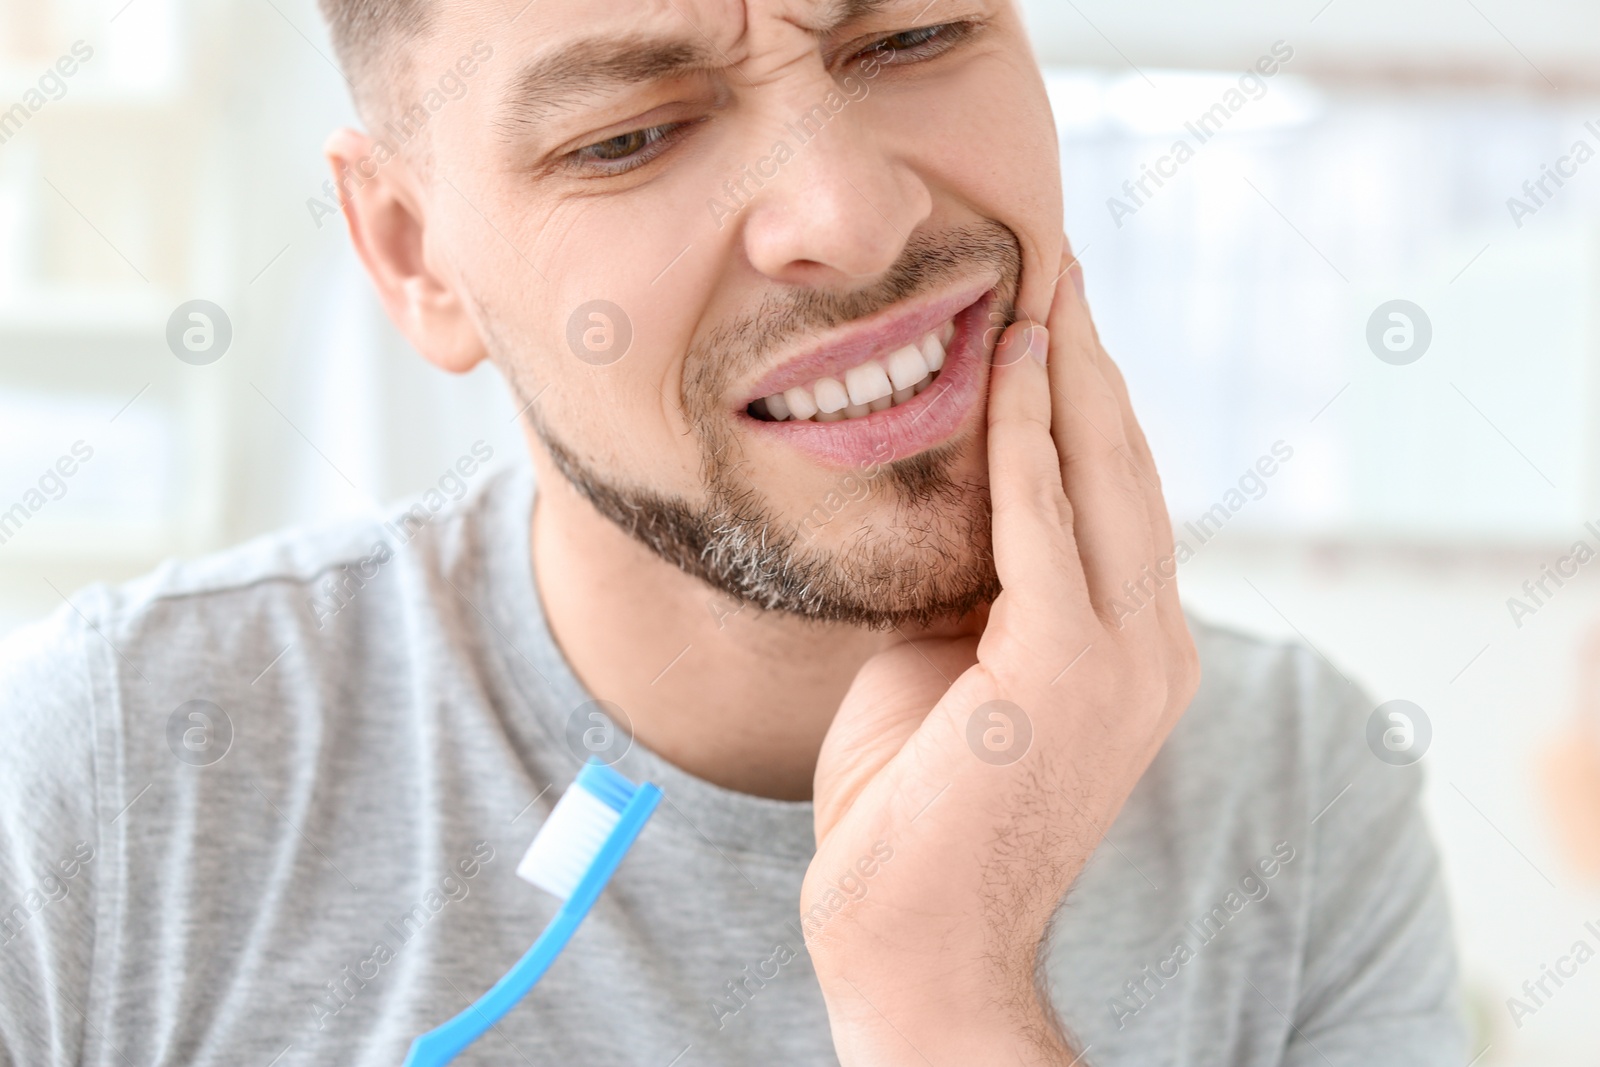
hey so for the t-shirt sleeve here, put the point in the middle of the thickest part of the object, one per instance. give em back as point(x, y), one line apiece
point(48, 841)
point(1379, 984)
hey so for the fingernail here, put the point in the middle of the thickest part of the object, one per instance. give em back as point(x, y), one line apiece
point(1039, 344)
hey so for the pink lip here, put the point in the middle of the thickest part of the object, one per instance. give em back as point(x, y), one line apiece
point(872, 337)
point(934, 416)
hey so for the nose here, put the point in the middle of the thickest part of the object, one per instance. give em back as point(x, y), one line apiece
point(843, 207)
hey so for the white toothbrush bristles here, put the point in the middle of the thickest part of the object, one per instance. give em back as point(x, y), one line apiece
point(568, 842)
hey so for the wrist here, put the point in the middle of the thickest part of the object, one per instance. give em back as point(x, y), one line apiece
point(896, 1020)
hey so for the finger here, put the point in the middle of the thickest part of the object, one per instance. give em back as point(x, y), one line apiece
point(1180, 657)
point(1161, 584)
point(1035, 554)
point(1144, 459)
point(1113, 527)
point(1159, 587)
point(1168, 603)
point(1138, 445)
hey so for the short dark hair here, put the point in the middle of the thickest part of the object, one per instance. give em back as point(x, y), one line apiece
point(368, 34)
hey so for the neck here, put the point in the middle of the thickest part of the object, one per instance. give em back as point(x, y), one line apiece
point(736, 696)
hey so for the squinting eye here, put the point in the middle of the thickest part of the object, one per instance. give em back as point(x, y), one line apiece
point(924, 42)
point(911, 38)
point(627, 150)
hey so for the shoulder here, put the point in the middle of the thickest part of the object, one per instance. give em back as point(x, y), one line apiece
point(1284, 695)
point(300, 580)
point(49, 836)
point(1244, 673)
point(46, 724)
point(1274, 733)
point(324, 598)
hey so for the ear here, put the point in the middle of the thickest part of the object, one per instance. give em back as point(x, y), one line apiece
point(385, 210)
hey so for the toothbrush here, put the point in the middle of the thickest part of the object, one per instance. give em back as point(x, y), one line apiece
point(573, 856)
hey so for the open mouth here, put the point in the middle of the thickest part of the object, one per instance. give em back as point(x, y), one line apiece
point(869, 387)
point(887, 387)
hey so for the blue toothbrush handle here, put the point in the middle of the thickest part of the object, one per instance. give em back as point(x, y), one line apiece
point(439, 1046)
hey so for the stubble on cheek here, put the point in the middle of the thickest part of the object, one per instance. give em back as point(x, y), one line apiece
point(916, 550)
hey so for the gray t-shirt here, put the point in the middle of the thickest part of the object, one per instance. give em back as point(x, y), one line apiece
point(317, 863)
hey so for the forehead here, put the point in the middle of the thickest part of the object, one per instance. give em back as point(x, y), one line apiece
point(722, 27)
point(722, 22)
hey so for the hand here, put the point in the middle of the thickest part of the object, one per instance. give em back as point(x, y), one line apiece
point(944, 848)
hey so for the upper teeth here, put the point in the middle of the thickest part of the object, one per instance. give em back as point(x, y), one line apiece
point(872, 386)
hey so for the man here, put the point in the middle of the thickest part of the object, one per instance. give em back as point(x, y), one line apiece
point(839, 528)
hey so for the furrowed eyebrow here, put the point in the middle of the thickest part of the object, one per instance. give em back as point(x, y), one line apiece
point(595, 65)
point(840, 13)
point(588, 67)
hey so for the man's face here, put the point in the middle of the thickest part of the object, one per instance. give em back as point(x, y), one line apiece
point(662, 213)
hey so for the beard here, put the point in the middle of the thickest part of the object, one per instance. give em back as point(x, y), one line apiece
point(933, 560)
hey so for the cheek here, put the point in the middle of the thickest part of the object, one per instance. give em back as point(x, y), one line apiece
point(622, 419)
point(998, 127)
point(996, 154)
point(580, 309)
point(1027, 194)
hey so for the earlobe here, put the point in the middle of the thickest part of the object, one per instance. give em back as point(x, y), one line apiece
point(386, 210)
point(440, 327)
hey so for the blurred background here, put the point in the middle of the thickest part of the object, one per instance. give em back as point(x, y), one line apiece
point(1443, 154)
